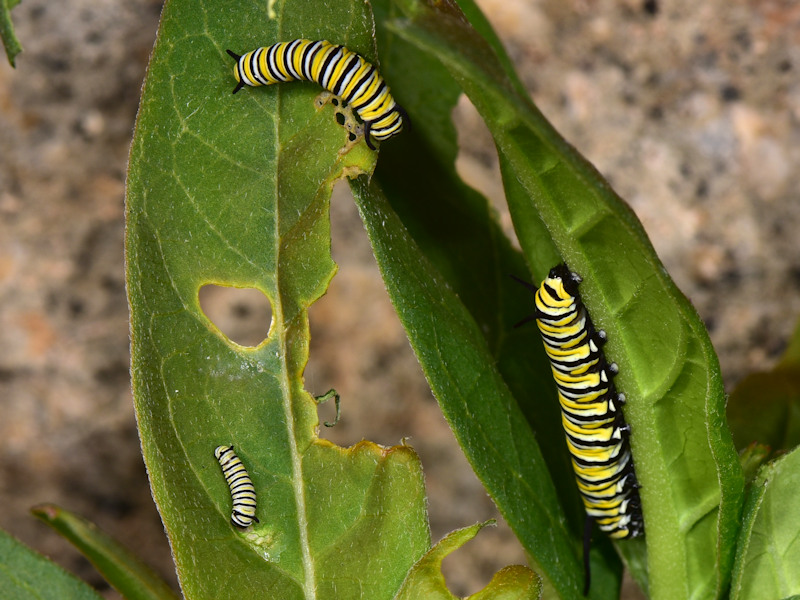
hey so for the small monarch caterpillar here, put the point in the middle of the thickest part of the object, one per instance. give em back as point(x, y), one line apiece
point(340, 71)
point(243, 493)
point(596, 432)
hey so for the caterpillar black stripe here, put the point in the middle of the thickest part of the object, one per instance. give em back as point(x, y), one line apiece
point(339, 70)
point(243, 493)
point(596, 432)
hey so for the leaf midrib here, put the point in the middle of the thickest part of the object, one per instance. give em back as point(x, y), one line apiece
point(309, 574)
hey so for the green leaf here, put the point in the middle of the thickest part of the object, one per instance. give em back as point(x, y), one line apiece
point(234, 190)
point(425, 579)
point(752, 458)
point(24, 575)
point(690, 475)
point(765, 407)
point(481, 410)
point(10, 41)
point(791, 356)
point(769, 542)
point(459, 235)
point(455, 230)
point(124, 571)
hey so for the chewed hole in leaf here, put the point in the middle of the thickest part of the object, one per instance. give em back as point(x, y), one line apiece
point(243, 315)
point(471, 568)
point(344, 114)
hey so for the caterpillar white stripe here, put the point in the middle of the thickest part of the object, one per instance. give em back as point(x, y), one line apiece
point(243, 493)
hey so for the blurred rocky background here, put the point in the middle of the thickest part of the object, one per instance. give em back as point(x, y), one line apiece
point(690, 109)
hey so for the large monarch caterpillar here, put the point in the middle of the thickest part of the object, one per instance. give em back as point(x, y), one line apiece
point(339, 70)
point(243, 493)
point(596, 432)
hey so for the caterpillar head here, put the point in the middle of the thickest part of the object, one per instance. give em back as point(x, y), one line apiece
point(236, 70)
point(569, 279)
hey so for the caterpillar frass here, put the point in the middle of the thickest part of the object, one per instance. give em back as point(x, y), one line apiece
point(596, 433)
point(340, 71)
point(243, 493)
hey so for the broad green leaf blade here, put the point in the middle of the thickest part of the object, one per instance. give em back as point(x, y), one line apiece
point(458, 365)
point(425, 579)
point(25, 575)
point(456, 231)
point(692, 481)
point(119, 566)
point(768, 553)
point(234, 190)
point(765, 407)
point(10, 41)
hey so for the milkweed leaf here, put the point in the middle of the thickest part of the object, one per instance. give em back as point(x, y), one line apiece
point(481, 410)
point(425, 579)
point(765, 407)
point(668, 369)
point(7, 34)
point(234, 191)
point(455, 230)
point(752, 458)
point(27, 575)
point(118, 565)
point(768, 551)
point(791, 356)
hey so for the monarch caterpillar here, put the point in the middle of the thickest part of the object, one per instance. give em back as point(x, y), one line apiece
point(340, 71)
point(243, 492)
point(596, 432)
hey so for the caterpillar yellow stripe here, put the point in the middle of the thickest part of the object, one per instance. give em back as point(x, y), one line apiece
point(597, 436)
point(596, 433)
point(243, 493)
point(342, 72)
